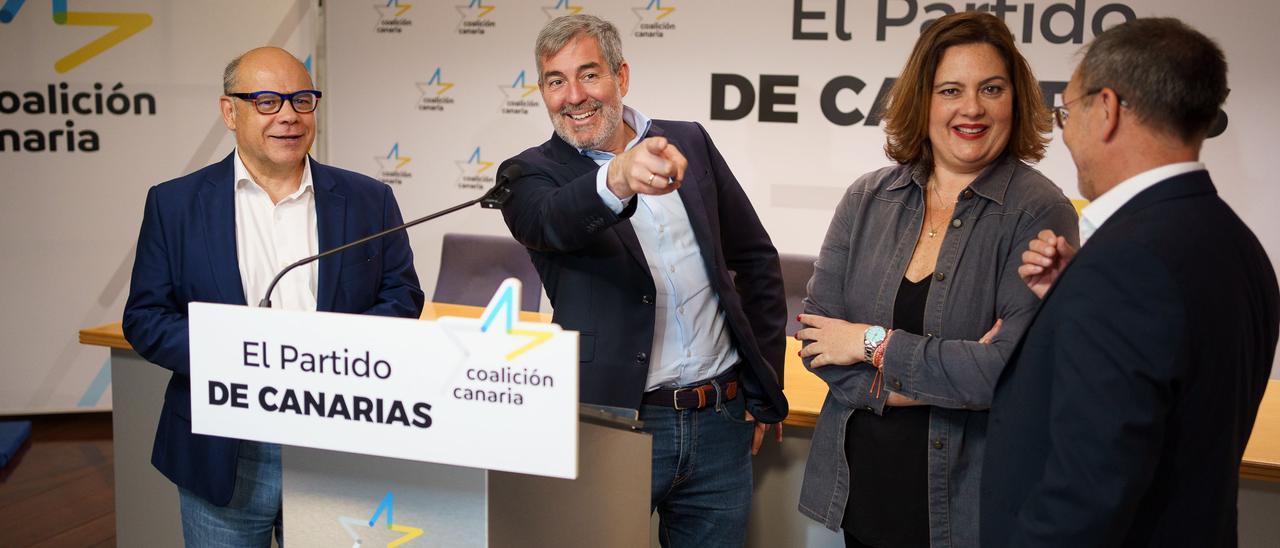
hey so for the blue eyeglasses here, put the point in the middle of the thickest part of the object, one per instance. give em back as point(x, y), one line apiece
point(270, 102)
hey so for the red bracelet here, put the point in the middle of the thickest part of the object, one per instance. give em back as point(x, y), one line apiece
point(877, 359)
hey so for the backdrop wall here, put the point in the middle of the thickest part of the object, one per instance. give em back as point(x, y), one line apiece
point(431, 96)
point(99, 101)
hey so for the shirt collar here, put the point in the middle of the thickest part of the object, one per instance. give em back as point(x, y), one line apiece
point(632, 117)
point(991, 183)
point(245, 181)
point(1097, 212)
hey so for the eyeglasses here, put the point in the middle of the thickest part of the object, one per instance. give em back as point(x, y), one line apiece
point(270, 102)
point(1061, 113)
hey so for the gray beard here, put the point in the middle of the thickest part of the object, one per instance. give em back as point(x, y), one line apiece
point(612, 118)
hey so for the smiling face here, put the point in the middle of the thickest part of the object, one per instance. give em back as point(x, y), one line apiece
point(971, 109)
point(583, 98)
point(270, 143)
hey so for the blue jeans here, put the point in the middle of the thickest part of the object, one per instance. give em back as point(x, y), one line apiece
point(701, 473)
point(254, 512)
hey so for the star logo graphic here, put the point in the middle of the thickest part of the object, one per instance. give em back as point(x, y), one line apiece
point(392, 9)
point(121, 26)
point(654, 11)
point(500, 317)
point(518, 90)
point(503, 303)
point(434, 87)
point(394, 535)
point(473, 166)
point(562, 7)
point(475, 10)
point(393, 160)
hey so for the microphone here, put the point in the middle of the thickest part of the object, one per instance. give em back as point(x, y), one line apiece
point(498, 195)
point(493, 199)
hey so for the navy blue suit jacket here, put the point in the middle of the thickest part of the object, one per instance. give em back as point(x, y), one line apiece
point(187, 253)
point(598, 281)
point(1122, 417)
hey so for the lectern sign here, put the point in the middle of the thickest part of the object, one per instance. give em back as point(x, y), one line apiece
point(492, 393)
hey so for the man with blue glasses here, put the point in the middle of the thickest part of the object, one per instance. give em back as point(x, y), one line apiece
point(220, 235)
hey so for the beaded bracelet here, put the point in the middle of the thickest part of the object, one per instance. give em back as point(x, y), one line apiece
point(877, 361)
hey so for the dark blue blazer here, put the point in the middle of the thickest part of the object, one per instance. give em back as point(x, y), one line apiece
point(1122, 417)
point(187, 253)
point(598, 280)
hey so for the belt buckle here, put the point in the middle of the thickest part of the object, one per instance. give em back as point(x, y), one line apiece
point(675, 397)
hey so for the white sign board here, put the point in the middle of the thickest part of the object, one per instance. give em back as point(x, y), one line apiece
point(491, 393)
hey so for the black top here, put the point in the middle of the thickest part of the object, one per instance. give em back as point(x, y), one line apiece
point(888, 457)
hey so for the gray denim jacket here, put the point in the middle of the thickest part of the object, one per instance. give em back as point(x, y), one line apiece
point(856, 278)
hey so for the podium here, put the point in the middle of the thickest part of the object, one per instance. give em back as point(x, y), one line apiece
point(455, 432)
point(330, 498)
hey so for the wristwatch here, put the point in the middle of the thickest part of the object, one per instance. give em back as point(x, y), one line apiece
point(871, 340)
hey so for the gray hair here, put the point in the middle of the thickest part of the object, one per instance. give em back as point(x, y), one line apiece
point(1173, 77)
point(229, 74)
point(561, 30)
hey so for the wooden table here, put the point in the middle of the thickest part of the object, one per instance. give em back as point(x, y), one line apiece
point(805, 392)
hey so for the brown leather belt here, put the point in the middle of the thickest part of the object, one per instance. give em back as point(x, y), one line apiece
point(694, 397)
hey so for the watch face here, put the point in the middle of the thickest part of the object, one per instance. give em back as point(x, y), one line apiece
point(874, 335)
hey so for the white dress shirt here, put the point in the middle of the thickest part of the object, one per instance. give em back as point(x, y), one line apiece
point(1098, 211)
point(271, 236)
point(691, 341)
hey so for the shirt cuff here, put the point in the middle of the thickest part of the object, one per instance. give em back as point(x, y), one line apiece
point(615, 204)
point(899, 361)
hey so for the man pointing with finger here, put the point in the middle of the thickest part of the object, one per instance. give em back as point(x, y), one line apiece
point(634, 226)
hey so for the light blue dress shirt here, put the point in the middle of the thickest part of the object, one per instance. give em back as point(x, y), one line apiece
point(691, 341)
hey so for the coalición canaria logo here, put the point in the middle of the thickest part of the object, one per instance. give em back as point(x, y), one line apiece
point(392, 18)
point(391, 166)
point(520, 97)
point(362, 531)
point(475, 18)
point(433, 93)
point(474, 172)
point(654, 20)
point(61, 98)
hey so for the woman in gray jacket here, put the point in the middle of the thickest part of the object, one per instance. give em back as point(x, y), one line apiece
point(915, 304)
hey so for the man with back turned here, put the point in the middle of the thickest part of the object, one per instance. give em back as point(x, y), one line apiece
point(1123, 416)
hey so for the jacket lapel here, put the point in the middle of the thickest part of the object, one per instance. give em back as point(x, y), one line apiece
point(567, 156)
point(690, 192)
point(218, 206)
point(331, 208)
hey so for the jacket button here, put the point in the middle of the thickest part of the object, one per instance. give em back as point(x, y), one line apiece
point(869, 409)
point(966, 194)
point(897, 383)
point(642, 358)
point(956, 223)
point(937, 444)
point(647, 299)
point(938, 276)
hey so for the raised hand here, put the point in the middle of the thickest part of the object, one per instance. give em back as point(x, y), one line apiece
point(1044, 260)
point(654, 166)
